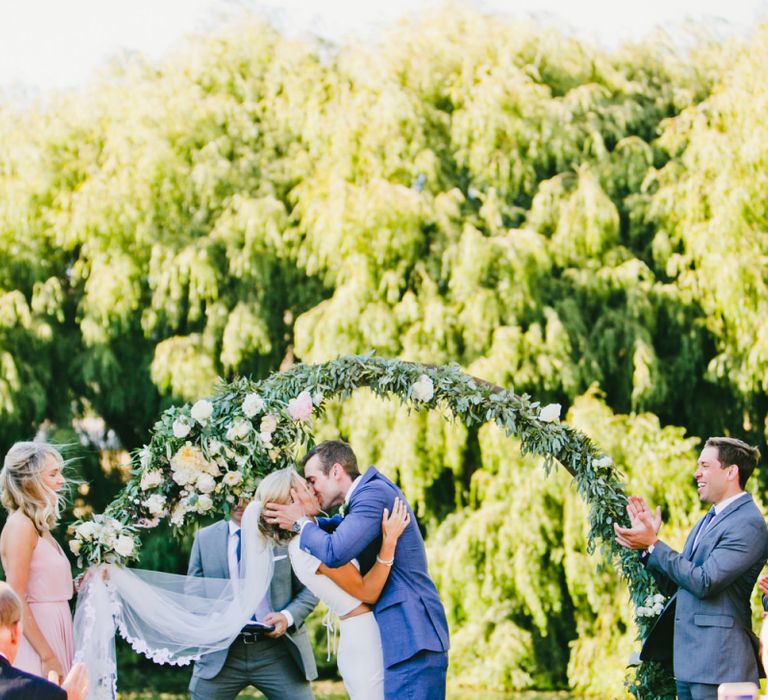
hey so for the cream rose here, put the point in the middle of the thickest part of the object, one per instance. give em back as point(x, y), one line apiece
point(151, 479)
point(155, 504)
point(268, 424)
point(550, 413)
point(252, 404)
point(423, 389)
point(204, 504)
point(124, 545)
point(202, 410)
point(181, 428)
point(205, 483)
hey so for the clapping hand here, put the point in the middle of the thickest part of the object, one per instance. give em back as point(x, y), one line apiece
point(51, 669)
point(644, 525)
point(76, 682)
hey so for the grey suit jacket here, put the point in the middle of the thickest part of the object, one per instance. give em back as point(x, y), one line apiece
point(706, 628)
point(209, 559)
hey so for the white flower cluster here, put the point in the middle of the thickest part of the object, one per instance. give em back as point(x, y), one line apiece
point(604, 461)
point(191, 469)
point(423, 389)
point(654, 604)
point(550, 413)
point(105, 532)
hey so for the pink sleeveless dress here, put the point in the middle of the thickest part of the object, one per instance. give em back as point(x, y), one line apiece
point(49, 590)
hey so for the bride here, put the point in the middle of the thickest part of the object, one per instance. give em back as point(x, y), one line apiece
point(344, 590)
point(175, 619)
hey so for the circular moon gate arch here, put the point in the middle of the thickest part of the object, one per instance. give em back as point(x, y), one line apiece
point(204, 456)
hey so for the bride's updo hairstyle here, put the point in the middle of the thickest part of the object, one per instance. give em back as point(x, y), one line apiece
point(276, 488)
point(21, 487)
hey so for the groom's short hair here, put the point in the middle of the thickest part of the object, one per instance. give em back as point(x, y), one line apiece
point(10, 606)
point(333, 452)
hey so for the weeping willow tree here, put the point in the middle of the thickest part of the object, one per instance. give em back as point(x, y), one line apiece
point(580, 225)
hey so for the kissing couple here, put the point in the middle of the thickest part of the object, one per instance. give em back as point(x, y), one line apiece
point(394, 634)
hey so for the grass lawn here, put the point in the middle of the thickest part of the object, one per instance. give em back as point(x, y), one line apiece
point(333, 690)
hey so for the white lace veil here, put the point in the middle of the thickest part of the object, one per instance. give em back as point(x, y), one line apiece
point(169, 618)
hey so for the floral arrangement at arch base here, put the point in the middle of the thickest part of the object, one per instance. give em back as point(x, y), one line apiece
point(203, 457)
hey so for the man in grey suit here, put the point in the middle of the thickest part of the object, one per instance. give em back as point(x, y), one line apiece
point(279, 663)
point(706, 627)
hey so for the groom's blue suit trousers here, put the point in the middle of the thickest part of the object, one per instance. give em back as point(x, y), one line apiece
point(422, 677)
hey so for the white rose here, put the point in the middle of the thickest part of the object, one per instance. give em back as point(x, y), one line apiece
point(205, 483)
point(155, 504)
point(181, 428)
point(145, 457)
point(179, 511)
point(201, 411)
point(151, 479)
point(239, 429)
point(268, 424)
point(642, 611)
point(550, 413)
point(603, 461)
point(232, 478)
point(124, 545)
point(659, 599)
point(657, 609)
point(87, 530)
point(75, 546)
point(214, 447)
point(266, 438)
point(252, 404)
point(423, 389)
point(204, 504)
point(183, 476)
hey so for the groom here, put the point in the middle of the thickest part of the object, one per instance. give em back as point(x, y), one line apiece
point(414, 631)
point(279, 663)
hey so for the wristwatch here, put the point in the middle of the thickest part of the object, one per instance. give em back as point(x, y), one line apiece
point(297, 525)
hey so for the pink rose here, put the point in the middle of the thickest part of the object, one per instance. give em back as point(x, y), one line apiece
point(300, 408)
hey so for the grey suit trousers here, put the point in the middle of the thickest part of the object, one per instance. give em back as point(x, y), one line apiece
point(266, 664)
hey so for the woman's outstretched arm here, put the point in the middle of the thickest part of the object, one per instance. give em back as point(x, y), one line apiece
point(368, 588)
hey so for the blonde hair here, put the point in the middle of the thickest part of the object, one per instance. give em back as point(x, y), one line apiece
point(23, 489)
point(10, 606)
point(276, 488)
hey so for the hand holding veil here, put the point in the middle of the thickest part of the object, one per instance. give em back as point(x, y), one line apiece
point(171, 619)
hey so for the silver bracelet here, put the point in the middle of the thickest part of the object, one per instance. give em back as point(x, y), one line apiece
point(386, 562)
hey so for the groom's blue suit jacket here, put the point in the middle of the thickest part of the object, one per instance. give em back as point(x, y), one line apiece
point(409, 612)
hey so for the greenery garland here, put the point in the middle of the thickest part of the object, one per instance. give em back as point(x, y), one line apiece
point(204, 456)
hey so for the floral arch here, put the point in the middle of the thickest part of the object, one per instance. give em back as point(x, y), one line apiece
point(202, 457)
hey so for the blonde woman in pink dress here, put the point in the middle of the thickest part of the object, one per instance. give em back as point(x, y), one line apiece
point(34, 563)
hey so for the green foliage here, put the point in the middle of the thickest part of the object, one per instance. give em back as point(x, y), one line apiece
point(549, 216)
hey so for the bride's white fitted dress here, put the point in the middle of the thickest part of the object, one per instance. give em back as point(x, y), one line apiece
point(360, 659)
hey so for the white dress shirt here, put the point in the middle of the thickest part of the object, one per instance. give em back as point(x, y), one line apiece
point(264, 607)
